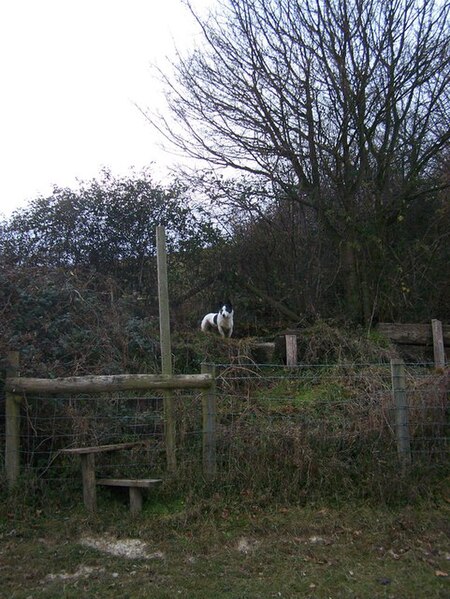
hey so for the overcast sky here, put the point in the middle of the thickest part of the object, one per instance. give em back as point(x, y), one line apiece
point(71, 73)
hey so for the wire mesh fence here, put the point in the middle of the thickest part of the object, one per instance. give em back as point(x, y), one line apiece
point(50, 424)
point(286, 430)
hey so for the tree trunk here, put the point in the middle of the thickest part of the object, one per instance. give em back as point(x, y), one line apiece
point(366, 303)
point(352, 288)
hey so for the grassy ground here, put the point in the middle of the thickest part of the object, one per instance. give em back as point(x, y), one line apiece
point(218, 550)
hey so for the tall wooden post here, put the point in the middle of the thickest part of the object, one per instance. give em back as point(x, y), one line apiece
point(401, 411)
point(438, 343)
point(12, 425)
point(209, 410)
point(166, 348)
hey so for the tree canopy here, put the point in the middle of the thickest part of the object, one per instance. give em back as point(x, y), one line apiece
point(342, 105)
point(108, 224)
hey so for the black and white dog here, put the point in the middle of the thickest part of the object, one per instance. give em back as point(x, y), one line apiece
point(222, 320)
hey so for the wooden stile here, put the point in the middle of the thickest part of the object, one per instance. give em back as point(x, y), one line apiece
point(87, 457)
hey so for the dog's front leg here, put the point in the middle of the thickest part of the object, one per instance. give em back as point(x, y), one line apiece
point(221, 331)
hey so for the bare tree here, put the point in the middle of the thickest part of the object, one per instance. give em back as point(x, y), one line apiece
point(342, 104)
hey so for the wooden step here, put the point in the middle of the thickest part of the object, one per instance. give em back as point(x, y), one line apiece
point(101, 448)
point(144, 483)
point(87, 457)
point(135, 487)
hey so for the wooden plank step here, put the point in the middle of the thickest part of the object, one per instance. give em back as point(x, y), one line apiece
point(100, 448)
point(144, 483)
point(135, 487)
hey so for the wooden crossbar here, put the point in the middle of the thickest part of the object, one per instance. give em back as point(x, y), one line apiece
point(117, 382)
point(101, 448)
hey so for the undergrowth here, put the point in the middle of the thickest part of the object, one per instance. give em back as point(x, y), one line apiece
point(323, 432)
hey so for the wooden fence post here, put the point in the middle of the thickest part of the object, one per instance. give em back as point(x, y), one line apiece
point(438, 343)
point(401, 411)
point(209, 411)
point(12, 425)
point(291, 350)
point(89, 484)
point(166, 349)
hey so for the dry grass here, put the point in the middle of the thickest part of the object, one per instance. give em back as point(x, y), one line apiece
point(233, 550)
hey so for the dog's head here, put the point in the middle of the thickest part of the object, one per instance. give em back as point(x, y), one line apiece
point(226, 310)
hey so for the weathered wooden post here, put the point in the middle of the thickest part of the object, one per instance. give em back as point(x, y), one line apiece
point(89, 483)
point(438, 343)
point(401, 411)
point(209, 410)
point(291, 350)
point(12, 424)
point(166, 348)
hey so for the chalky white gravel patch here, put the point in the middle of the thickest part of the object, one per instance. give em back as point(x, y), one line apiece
point(82, 572)
point(246, 545)
point(128, 548)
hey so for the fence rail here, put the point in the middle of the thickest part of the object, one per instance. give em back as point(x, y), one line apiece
point(104, 384)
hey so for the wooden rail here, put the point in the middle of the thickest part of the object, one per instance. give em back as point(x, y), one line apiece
point(99, 384)
point(411, 333)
